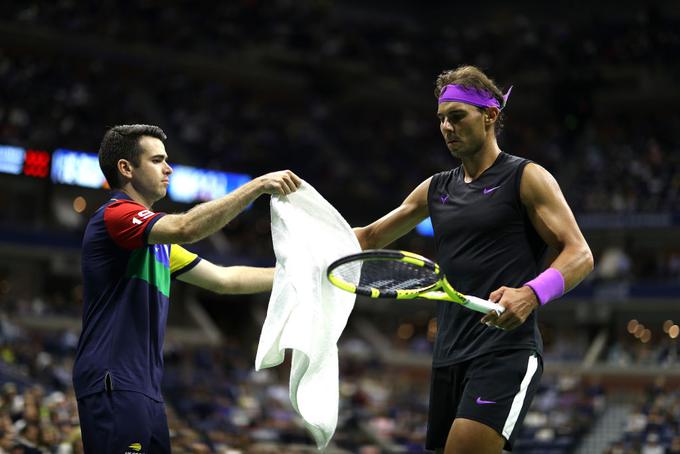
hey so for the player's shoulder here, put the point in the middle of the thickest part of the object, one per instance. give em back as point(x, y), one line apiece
point(536, 183)
point(115, 203)
point(120, 214)
point(535, 171)
point(443, 179)
point(99, 213)
point(126, 208)
point(97, 224)
point(529, 170)
point(526, 163)
point(513, 160)
point(445, 174)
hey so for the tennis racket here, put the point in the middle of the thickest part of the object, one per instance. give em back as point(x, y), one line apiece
point(385, 273)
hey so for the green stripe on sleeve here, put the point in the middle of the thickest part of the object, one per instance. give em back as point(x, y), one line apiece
point(143, 265)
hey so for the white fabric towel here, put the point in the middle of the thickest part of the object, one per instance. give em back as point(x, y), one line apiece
point(307, 313)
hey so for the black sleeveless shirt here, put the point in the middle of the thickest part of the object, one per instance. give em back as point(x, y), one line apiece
point(484, 240)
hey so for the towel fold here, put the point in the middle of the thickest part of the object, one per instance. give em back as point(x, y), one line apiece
point(307, 313)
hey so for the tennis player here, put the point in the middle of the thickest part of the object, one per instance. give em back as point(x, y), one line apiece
point(130, 253)
point(493, 218)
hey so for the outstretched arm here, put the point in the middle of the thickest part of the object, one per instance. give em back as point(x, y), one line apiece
point(207, 218)
point(397, 222)
point(555, 223)
point(229, 279)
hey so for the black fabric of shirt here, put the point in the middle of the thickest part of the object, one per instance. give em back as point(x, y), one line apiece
point(484, 240)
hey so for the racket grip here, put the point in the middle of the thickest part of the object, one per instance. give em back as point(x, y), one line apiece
point(482, 305)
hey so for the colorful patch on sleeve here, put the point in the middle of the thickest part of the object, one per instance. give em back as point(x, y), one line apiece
point(151, 264)
point(127, 223)
point(181, 260)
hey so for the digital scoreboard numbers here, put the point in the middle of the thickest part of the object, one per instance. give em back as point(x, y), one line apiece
point(36, 163)
point(20, 161)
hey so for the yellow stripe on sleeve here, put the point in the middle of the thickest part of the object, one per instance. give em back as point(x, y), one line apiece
point(180, 258)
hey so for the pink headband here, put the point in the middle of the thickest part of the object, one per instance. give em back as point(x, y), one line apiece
point(479, 98)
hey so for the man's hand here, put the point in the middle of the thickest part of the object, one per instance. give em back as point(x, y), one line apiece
point(518, 304)
point(283, 182)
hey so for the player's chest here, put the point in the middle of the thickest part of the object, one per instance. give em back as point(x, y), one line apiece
point(475, 207)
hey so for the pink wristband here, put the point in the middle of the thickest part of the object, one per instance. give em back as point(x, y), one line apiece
point(548, 285)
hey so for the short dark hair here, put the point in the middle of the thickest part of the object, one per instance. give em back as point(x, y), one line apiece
point(122, 142)
point(471, 77)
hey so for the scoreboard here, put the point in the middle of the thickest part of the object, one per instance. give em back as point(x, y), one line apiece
point(80, 168)
point(20, 161)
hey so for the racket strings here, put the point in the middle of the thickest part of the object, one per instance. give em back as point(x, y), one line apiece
point(386, 275)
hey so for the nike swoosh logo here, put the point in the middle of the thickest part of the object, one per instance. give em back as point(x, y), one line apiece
point(484, 402)
point(490, 190)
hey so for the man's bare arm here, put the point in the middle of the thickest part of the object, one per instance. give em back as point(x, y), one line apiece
point(229, 279)
point(207, 218)
point(555, 223)
point(397, 222)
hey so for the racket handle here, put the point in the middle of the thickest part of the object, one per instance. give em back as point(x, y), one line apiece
point(482, 305)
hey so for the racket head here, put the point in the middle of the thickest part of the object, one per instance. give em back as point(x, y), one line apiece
point(384, 273)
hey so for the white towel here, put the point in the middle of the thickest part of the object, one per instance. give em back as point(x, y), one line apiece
point(307, 313)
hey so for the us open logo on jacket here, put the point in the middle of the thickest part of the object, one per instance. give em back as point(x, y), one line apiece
point(136, 449)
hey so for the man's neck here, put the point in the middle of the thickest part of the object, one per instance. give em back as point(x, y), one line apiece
point(477, 164)
point(131, 192)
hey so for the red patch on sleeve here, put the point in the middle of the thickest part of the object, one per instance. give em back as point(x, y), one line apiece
point(126, 222)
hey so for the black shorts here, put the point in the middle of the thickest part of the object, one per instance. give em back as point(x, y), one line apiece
point(123, 422)
point(495, 389)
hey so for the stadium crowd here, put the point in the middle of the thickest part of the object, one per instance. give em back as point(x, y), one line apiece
point(659, 350)
point(218, 404)
point(562, 413)
point(654, 425)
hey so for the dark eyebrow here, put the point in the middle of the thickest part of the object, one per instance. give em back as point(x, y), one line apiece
point(159, 155)
point(449, 112)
